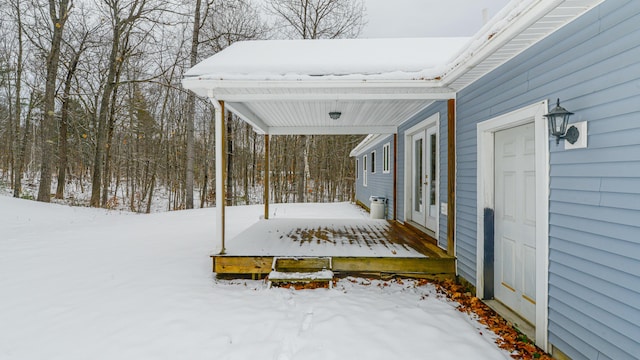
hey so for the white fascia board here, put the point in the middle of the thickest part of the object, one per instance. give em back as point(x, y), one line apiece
point(331, 130)
point(338, 96)
point(196, 86)
point(223, 90)
point(364, 145)
point(201, 82)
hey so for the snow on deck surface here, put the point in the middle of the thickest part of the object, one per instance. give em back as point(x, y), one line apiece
point(318, 237)
point(80, 283)
point(337, 229)
point(398, 59)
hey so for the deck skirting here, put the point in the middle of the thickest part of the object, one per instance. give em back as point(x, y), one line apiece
point(425, 267)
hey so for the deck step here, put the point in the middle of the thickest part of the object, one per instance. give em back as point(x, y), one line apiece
point(301, 269)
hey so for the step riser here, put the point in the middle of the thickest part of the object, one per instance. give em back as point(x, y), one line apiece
point(301, 264)
point(295, 270)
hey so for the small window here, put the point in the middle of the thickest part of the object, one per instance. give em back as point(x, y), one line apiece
point(373, 162)
point(386, 158)
point(357, 169)
point(364, 170)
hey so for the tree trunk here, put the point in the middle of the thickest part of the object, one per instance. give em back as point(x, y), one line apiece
point(254, 158)
point(23, 149)
point(153, 185)
point(64, 120)
point(191, 107)
point(108, 143)
point(300, 164)
point(48, 127)
point(101, 137)
point(19, 156)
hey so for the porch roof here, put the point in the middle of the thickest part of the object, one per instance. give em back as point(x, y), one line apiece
point(290, 86)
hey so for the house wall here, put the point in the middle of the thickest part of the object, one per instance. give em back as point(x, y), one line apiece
point(594, 233)
point(378, 183)
point(441, 108)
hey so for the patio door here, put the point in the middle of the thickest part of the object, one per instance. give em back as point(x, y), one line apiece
point(424, 177)
point(515, 220)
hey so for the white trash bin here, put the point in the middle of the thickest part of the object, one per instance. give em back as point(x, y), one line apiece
point(377, 207)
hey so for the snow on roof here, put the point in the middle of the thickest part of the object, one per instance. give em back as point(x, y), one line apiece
point(352, 59)
point(393, 59)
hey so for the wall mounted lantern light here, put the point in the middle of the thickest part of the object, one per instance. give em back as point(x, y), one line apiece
point(558, 119)
point(335, 115)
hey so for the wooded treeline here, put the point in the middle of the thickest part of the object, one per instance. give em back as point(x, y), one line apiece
point(90, 99)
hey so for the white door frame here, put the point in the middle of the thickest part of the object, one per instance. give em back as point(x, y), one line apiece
point(432, 211)
point(419, 216)
point(433, 120)
point(485, 199)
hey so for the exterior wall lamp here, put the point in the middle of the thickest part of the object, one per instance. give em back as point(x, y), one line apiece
point(558, 119)
point(335, 115)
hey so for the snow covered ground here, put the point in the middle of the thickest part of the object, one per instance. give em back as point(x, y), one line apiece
point(80, 283)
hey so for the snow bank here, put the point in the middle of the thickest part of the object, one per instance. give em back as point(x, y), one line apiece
point(79, 283)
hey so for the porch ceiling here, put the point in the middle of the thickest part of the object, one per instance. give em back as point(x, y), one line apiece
point(286, 107)
point(312, 116)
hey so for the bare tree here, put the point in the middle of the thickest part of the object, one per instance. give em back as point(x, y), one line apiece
point(319, 19)
point(229, 21)
point(124, 124)
point(315, 19)
point(75, 51)
point(58, 13)
point(14, 115)
point(124, 19)
point(191, 108)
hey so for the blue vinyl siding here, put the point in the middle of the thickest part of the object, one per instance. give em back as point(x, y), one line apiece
point(594, 221)
point(441, 108)
point(378, 183)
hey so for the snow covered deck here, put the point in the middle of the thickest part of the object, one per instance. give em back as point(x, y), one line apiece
point(357, 246)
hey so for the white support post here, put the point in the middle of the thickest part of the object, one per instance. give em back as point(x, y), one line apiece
point(266, 176)
point(220, 170)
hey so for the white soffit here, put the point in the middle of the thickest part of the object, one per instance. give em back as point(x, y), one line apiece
point(312, 116)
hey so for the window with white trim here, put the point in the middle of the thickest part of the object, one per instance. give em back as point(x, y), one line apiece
point(364, 170)
point(386, 158)
point(373, 162)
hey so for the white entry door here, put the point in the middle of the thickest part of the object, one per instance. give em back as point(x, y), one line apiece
point(424, 177)
point(515, 220)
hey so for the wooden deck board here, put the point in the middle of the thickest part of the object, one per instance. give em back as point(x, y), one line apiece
point(413, 238)
point(434, 261)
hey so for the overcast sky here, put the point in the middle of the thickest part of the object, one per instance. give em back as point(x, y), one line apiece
point(426, 18)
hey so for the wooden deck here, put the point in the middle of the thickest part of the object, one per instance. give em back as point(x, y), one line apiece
point(357, 247)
